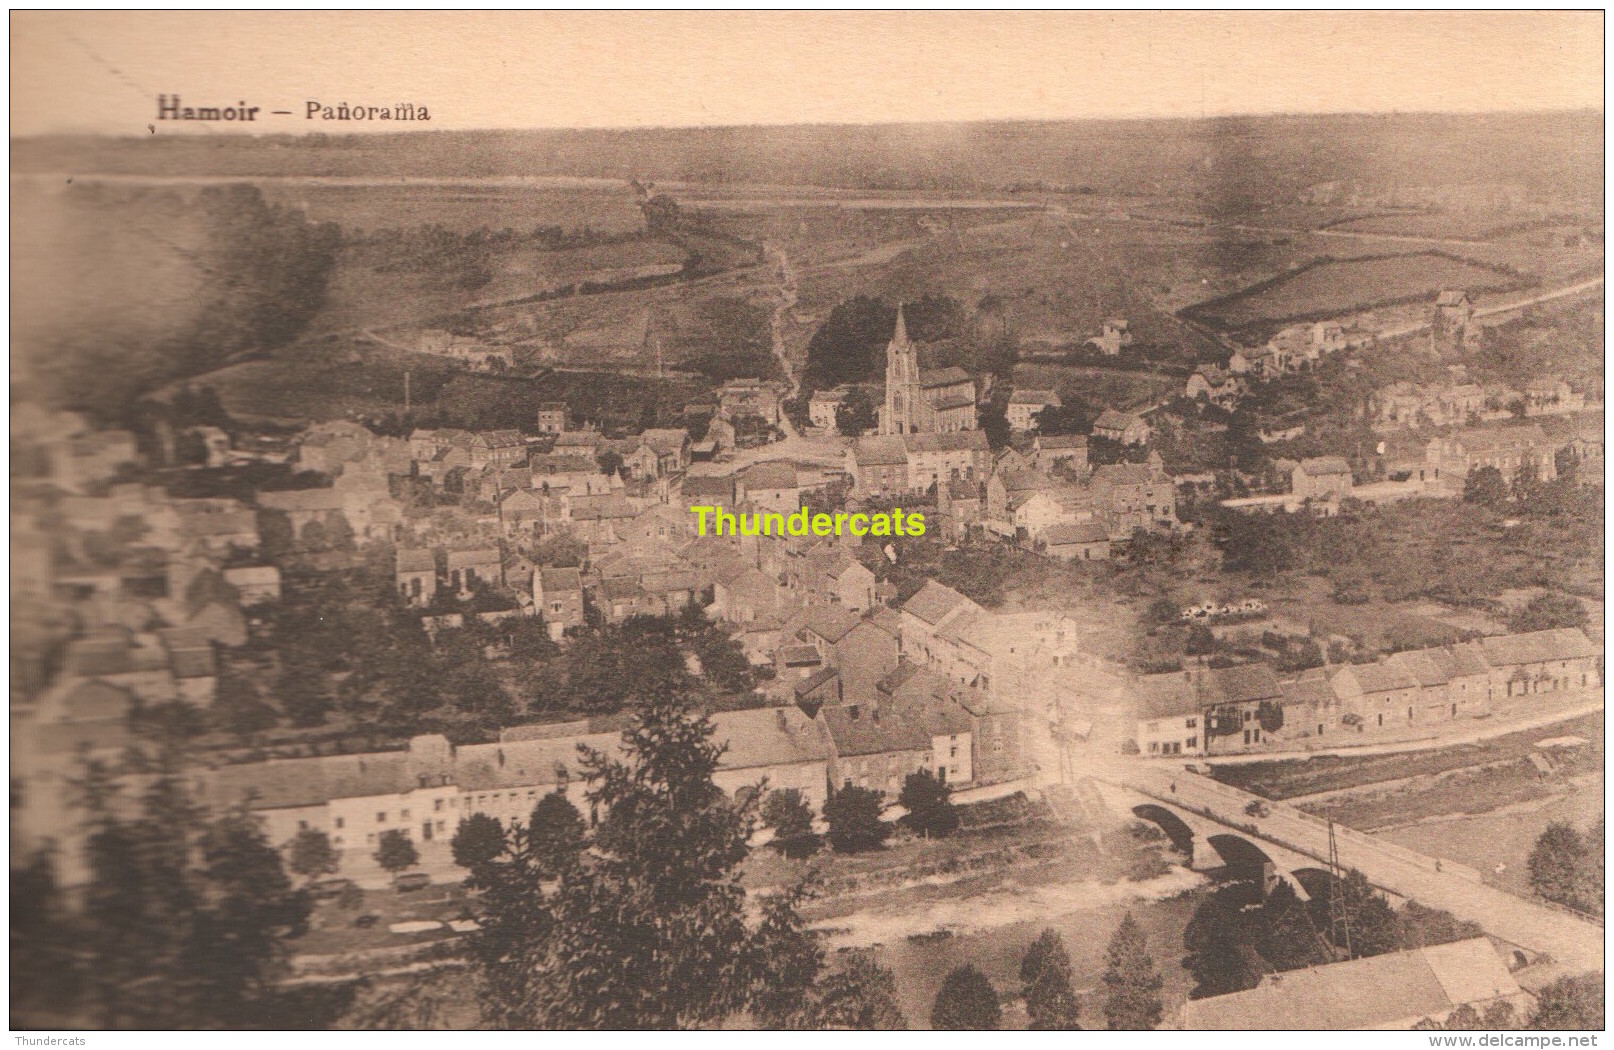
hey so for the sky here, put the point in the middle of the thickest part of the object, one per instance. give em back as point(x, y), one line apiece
point(103, 71)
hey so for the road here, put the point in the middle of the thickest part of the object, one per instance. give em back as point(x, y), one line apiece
point(1500, 308)
point(787, 300)
point(1575, 944)
point(1489, 729)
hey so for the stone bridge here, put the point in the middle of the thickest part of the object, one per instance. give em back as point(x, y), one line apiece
point(1297, 844)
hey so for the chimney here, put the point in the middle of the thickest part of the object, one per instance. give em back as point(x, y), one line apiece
point(779, 716)
point(853, 712)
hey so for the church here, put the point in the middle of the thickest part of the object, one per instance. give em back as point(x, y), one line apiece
point(923, 401)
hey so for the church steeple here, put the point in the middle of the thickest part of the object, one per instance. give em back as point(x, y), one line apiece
point(901, 414)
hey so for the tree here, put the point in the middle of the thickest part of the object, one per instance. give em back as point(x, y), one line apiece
point(1259, 544)
point(855, 415)
point(1555, 862)
point(1286, 937)
point(1131, 985)
point(788, 961)
point(647, 928)
point(1216, 939)
point(929, 802)
point(185, 915)
point(1045, 978)
point(1570, 1004)
point(556, 833)
point(312, 855)
point(966, 1002)
point(1547, 612)
point(1374, 926)
point(477, 842)
point(791, 818)
point(849, 347)
point(1486, 487)
point(395, 852)
point(861, 996)
point(853, 814)
point(609, 462)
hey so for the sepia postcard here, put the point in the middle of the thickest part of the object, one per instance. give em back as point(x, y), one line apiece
point(807, 520)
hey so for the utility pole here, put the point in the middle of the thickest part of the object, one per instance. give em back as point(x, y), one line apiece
point(1339, 922)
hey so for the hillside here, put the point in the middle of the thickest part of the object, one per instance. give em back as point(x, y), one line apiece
point(1228, 163)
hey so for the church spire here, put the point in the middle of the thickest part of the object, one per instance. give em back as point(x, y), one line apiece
point(900, 337)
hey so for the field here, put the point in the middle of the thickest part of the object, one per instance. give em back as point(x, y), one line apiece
point(1334, 288)
point(1504, 836)
point(1294, 777)
point(366, 205)
point(1446, 225)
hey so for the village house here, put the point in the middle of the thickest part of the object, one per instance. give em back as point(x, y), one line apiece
point(1550, 396)
point(769, 487)
point(1376, 696)
point(704, 490)
point(557, 594)
point(468, 570)
point(1387, 992)
point(1322, 478)
point(657, 453)
point(217, 525)
point(256, 584)
point(1541, 662)
point(415, 575)
point(749, 397)
point(552, 417)
point(824, 404)
point(1452, 682)
point(1032, 513)
point(878, 466)
point(1240, 703)
point(1025, 404)
point(575, 475)
point(938, 628)
point(1051, 449)
point(961, 504)
point(1449, 460)
point(1214, 385)
point(1077, 541)
point(522, 512)
point(933, 458)
point(1112, 339)
point(742, 593)
point(90, 457)
point(934, 705)
point(1168, 715)
point(585, 443)
point(1007, 484)
point(780, 747)
point(1406, 405)
point(829, 574)
point(874, 750)
point(194, 663)
point(1122, 427)
point(1131, 496)
point(500, 448)
point(599, 521)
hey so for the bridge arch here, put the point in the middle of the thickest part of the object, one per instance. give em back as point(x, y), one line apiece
point(1245, 860)
point(1176, 829)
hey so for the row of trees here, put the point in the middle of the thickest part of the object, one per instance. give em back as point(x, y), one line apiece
point(967, 1000)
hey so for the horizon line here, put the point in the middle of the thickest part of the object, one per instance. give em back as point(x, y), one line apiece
point(212, 132)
